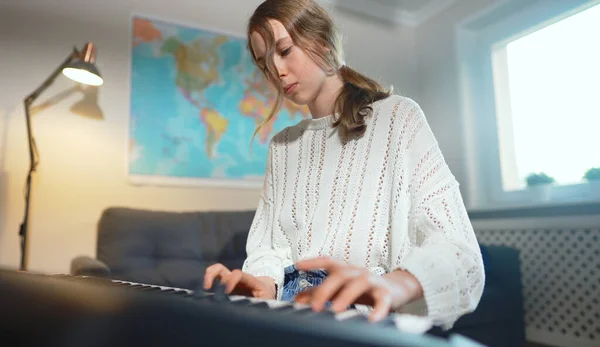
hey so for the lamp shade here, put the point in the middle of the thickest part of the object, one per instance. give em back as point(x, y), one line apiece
point(83, 72)
point(82, 68)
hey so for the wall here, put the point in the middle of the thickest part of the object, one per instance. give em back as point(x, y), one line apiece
point(71, 188)
point(436, 53)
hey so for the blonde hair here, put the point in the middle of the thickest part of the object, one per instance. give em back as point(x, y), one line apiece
point(311, 29)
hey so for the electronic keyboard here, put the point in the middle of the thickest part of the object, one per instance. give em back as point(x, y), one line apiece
point(66, 310)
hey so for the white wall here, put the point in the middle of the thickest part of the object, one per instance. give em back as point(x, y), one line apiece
point(438, 82)
point(72, 188)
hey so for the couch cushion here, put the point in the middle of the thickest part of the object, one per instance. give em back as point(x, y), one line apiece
point(170, 248)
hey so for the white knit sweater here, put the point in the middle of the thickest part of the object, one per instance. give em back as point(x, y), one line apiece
point(384, 201)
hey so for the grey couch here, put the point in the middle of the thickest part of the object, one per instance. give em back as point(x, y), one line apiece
point(165, 248)
point(174, 248)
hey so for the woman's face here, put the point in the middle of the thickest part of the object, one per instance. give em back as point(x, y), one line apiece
point(299, 76)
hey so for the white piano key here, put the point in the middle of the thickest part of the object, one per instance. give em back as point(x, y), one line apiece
point(271, 303)
point(153, 285)
point(235, 298)
point(299, 306)
point(347, 314)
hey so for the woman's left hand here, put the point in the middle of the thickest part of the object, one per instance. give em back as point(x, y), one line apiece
point(347, 284)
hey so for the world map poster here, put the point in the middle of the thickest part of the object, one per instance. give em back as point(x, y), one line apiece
point(196, 99)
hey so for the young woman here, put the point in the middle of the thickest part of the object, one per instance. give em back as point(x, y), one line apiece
point(358, 205)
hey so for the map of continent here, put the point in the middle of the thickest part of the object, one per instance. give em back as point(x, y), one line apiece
point(196, 100)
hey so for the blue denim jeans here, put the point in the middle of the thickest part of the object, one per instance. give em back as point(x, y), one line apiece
point(295, 281)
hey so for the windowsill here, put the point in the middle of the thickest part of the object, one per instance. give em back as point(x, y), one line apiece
point(539, 210)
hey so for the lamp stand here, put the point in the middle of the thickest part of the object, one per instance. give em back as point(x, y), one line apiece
point(33, 155)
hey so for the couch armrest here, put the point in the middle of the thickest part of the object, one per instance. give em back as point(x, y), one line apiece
point(503, 267)
point(88, 266)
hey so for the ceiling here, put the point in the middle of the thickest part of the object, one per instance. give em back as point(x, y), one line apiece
point(407, 12)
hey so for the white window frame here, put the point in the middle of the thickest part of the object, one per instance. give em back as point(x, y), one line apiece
point(475, 38)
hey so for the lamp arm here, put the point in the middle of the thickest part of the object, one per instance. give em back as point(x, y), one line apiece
point(33, 152)
point(31, 97)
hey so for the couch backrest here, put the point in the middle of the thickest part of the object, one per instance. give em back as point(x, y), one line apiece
point(170, 248)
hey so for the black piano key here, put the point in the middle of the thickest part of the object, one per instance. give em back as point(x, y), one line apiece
point(212, 297)
point(216, 293)
point(260, 304)
point(200, 293)
point(287, 308)
point(202, 297)
point(168, 291)
point(302, 311)
point(219, 294)
point(358, 318)
point(320, 315)
point(152, 289)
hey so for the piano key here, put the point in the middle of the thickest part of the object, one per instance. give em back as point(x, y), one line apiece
point(219, 291)
point(182, 293)
point(152, 289)
point(239, 300)
point(348, 314)
point(277, 305)
point(271, 303)
point(168, 291)
point(358, 318)
point(284, 308)
point(234, 298)
point(325, 314)
point(301, 309)
point(248, 301)
point(260, 304)
point(127, 283)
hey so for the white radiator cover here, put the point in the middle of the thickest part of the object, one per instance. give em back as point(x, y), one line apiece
point(560, 269)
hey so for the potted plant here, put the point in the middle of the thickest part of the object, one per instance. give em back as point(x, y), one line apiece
point(592, 174)
point(540, 184)
point(593, 177)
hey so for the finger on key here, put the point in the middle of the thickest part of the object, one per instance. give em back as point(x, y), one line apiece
point(326, 291)
point(383, 303)
point(213, 271)
point(232, 280)
point(349, 294)
point(305, 296)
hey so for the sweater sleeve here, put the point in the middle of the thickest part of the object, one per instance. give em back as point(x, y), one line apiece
point(443, 252)
point(262, 259)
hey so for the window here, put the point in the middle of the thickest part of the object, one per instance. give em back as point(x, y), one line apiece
point(547, 87)
point(532, 99)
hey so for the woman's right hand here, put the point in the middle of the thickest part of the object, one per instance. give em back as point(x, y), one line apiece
point(237, 282)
